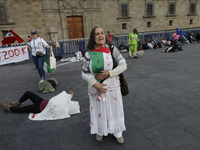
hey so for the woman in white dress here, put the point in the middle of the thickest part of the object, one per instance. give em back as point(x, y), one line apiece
point(106, 105)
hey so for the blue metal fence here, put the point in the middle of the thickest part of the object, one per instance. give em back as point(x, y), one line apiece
point(73, 45)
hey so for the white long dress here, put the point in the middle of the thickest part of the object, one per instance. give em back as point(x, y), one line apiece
point(106, 110)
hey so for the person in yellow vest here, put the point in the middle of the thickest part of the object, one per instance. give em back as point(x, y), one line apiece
point(133, 39)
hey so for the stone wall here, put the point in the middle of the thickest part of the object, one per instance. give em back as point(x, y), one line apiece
point(110, 13)
point(25, 15)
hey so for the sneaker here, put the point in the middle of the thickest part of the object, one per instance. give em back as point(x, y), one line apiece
point(41, 80)
point(120, 140)
point(99, 138)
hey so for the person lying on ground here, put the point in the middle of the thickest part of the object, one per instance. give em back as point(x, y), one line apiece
point(173, 48)
point(38, 104)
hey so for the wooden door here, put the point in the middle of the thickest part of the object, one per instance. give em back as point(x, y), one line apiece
point(75, 27)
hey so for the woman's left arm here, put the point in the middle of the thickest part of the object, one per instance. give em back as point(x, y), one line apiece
point(122, 66)
point(49, 47)
point(44, 43)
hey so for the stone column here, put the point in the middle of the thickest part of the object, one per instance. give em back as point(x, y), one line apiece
point(53, 34)
point(63, 20)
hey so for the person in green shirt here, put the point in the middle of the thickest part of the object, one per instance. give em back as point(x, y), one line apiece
point(133, 39)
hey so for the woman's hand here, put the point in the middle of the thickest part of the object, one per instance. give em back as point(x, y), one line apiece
point(49, 47)
point(100, 88)
point(103, 75)
point(29, 47)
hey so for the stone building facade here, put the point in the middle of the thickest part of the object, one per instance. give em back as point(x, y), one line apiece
point(64, 19)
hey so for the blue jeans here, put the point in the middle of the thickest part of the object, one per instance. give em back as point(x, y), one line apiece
point(39, 63)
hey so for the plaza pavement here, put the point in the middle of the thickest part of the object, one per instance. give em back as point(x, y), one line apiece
point(162, 111)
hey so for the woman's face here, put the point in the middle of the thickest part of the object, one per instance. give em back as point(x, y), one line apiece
point(34, 36)
point(100, 38)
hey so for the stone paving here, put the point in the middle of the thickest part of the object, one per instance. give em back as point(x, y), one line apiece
point(162, 111)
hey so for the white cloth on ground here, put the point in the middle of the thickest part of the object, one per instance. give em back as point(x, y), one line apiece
point(72, 59)
point(58, 107)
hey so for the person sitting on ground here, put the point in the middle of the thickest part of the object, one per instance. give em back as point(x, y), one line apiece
point(122, 48)
point(164, 42)
point(180, 41)
point(154, 43)
point(144, 44)
point(173, 48)
point(149, 43)
point(38, 104)
point(191, 38)
point(198, 37)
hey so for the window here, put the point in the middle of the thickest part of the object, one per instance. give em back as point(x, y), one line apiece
point(149, 11)
point(148, 24)
point(170, 22)
point(191, 21)
point(193, 8)
point(172, 8)
point(3, 17)
point(124, 26)
point(124, 10)
point(4, 33)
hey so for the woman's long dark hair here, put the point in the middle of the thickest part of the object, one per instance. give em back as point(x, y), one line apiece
point(91, 43)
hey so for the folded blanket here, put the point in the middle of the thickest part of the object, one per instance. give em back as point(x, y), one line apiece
point(58, 107)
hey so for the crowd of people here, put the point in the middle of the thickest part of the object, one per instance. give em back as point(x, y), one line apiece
point(136, 43)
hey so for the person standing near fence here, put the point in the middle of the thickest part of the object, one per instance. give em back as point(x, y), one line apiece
point(106, 105)
point(110, 36)
point(38, 46)
point(133, 39)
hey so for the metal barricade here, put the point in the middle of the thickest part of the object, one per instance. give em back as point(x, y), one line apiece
point(71, 46)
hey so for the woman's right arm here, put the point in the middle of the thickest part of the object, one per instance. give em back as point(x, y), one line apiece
point(89, 77)
point(29, 47)
point(86, 74)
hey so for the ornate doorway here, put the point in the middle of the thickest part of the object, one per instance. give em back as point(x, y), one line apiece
point(75, 27)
